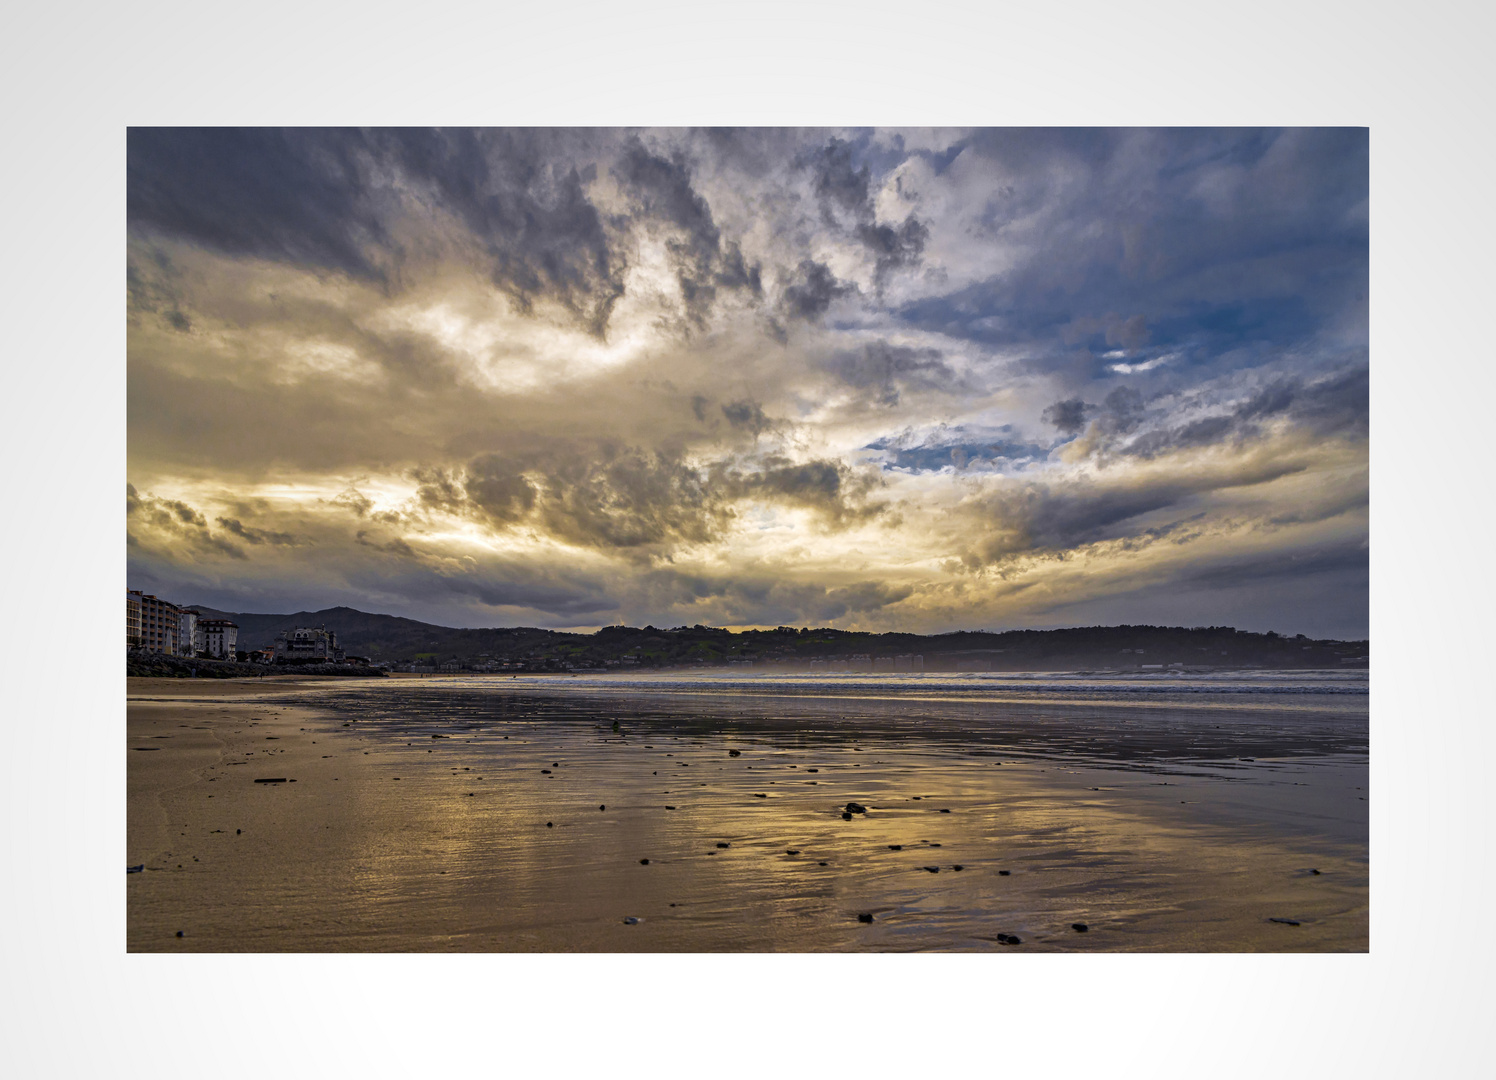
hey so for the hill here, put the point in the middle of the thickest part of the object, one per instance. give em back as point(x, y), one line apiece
point(399, 640)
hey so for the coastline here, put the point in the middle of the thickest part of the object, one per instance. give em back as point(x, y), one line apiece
point(382, 838)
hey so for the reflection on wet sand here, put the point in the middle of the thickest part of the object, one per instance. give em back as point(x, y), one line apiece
point(522, 820)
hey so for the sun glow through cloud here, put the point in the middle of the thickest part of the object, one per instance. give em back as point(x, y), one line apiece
point(877, 379)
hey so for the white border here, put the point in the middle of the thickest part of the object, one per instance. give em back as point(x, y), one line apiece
point(79, 1006)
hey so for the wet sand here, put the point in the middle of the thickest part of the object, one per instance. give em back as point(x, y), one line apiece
point(524, 826)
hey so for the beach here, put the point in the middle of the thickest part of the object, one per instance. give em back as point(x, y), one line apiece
point(456, 814)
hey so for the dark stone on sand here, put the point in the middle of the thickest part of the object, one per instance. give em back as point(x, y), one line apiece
point(276, 779)
point(545, 770)
point(958, 866)
point(895, 847)
point(933, 869)
point(669, 808)
point(135, 869)
point(238, 832)
point(846, 817)
point(603, 806)
point(855, 808)
point(1314, 871)
point(180, 934)
point(865, 917)
point(735, 753)
point(1285, 922)
point(944, 811)
point(549, 825)
point(759, 795)
point(438, 736)
point(1009, 939)
point(1003, 873)
point(791, 851)
point(1079, 927)
point(820, 864)
point(723, 843)
point(643, 862)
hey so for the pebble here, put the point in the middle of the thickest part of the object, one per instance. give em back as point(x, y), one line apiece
point(820, 864)
point(735, 753)
point(669, 808)
point(958, 866)
point(1003, 873)
point(602, 806)
point(895, 847)
point(1285, 922)
point(643, 862)
point(1079, 927)
point(1009, 939)
point(855, 808)
point(864, 917)
point(933, 869)
point(723, 844)
point(549, 825)
point(791, 851)
point(846, 817)
point(944, 811)
point(180, 934)
point(631, 920)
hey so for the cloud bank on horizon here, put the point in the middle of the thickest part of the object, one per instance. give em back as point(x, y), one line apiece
point(913, 380)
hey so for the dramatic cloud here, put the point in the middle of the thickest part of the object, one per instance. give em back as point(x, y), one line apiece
point(918, 380)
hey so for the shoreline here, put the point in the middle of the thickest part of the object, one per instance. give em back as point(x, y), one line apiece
point(382, 838)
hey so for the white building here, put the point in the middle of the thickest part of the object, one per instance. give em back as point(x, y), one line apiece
point(186, 633)
point(219, 638)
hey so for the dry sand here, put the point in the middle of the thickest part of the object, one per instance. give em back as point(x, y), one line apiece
point(386, 841)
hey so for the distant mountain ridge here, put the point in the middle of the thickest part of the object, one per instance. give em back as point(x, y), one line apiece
point(397, 639)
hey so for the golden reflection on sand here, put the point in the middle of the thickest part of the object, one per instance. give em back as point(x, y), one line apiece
point(536, 842)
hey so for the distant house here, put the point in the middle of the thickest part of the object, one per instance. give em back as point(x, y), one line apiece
point(308, 643)
point(219, 638)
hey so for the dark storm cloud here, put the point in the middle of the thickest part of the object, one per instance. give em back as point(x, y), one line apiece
point(1336, 405)
point(844, 189)
point(889, 369)
point(1352, 556)
point(764, 599)
point(831, 488)
point(748, 415)
point(543, 235)
point(1038, 517)
point(322, 198)
point(290, 194)
point(158, 524)
point(703, 264)
point(494, 484)
point(257, 536)
point(622, 498)
point(837, 183)
point(1069, 415)
point(1220, 245)
point(811, 290)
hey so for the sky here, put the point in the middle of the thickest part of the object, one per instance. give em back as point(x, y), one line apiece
point(921, 380)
